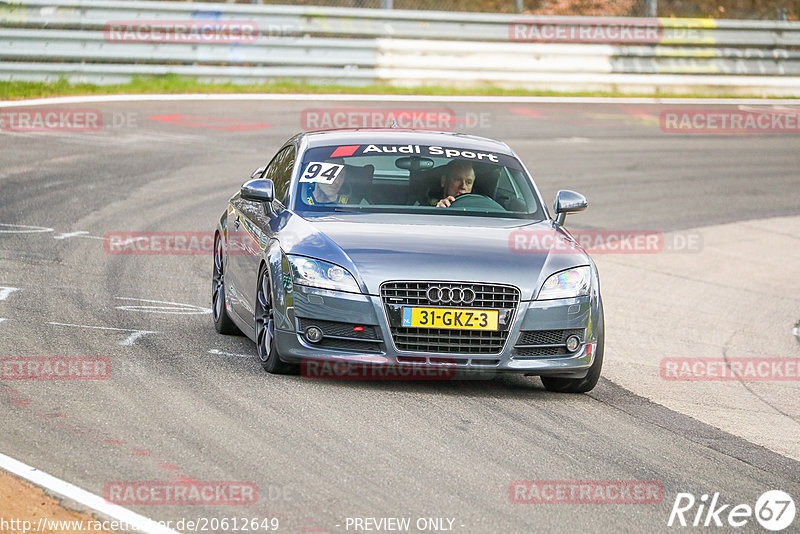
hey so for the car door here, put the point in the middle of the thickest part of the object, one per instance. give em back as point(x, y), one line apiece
point(252, 234)
point(234, 280)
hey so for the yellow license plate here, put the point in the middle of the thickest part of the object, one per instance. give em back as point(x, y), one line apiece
point(450, 318)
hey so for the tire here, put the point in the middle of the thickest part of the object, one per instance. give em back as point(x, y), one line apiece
point(219, 311)
point(265, 328)
point(581, 385)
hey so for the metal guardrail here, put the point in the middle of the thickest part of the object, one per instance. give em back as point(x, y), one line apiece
point(68, 45)
point(398, 24)
point(48, 39)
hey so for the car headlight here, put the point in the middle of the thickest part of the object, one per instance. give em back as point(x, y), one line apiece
point(318, 273)
point(566, 284)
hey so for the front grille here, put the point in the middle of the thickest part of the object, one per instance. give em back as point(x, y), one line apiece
point(415, 294)
point(540, 343)
point(395, 295)
point(449, 341)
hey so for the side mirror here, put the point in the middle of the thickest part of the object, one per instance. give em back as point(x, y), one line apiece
point(568, 202)
point(259, 190)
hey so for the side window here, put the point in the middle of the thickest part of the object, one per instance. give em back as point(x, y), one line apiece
point(280, 172)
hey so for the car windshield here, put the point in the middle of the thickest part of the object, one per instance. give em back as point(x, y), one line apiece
point(414, 179)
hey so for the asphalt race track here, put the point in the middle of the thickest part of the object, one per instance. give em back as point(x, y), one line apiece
point(183, 402)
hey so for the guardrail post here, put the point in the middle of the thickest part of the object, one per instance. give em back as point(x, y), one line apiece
point(520, 6)
point(652, 8)
point(387, 4)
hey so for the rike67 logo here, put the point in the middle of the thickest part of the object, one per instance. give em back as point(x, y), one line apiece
point(774, 510)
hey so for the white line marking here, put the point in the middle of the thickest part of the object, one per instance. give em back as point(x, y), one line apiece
point(175, 308)
point(128, 341)
point(6, 291)
point(391, 98)
point(223, 353)
point(70, 234)
point(131, 339)
point(2, 319)
point(25, 229)
point(99, 504)
point(82, 233)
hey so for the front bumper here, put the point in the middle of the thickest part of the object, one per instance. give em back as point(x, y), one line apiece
point(575, 315)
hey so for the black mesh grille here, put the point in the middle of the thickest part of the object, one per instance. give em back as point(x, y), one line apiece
point(548, 337)
point(448, 341)
point(415, 294)
point(445, 340)
point(334, 328)
point(545, 338)
point(542, 351)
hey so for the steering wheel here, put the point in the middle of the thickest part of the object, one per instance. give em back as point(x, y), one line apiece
point(476, 201)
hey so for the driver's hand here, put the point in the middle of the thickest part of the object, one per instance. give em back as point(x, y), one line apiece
point(445, 202)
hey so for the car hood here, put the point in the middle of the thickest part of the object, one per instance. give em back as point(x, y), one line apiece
point(378, 248)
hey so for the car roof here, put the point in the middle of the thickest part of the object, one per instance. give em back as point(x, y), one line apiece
point(403, 137)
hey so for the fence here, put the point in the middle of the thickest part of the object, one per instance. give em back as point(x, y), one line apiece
point(111, 41)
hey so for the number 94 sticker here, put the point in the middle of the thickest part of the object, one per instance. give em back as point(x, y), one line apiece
point(321, 172)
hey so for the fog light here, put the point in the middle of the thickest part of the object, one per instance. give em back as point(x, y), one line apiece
point(313, 334)
point(573, 342)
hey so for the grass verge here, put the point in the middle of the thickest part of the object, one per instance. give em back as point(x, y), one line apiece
point(172, 84)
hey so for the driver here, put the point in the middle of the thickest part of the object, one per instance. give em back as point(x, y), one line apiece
point(337, 192)
point(457, 180)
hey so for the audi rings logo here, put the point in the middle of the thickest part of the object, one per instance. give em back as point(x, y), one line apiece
point(451, 295)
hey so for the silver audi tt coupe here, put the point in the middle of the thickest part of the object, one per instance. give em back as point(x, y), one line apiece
point(411, 250)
